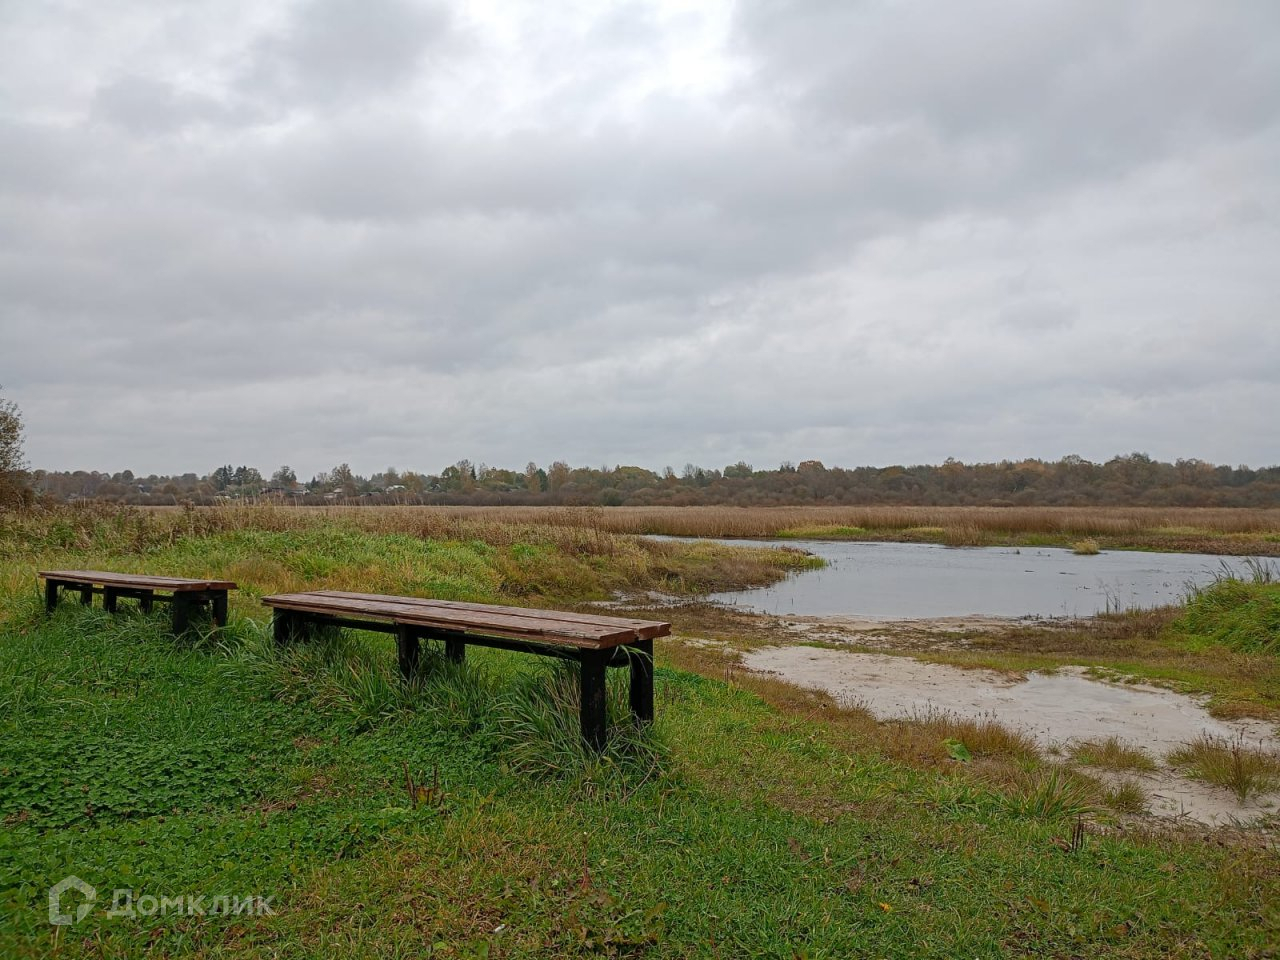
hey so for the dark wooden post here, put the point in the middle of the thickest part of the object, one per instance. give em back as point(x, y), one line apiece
point(146, 599)
point(181, 604)
point(282, 626)
point(641, 655)
point(592, 709)
point(109, 597)
point(455, 650)
point(407, 647)
point(50, 595)
point(219, 608)
point(86, 594)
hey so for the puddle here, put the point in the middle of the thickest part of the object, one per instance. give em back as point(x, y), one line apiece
point(1057, 709)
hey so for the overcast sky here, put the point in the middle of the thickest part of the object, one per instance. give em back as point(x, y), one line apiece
point(402, 233)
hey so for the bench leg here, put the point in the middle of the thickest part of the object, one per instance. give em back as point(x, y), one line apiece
point(50, 595)
point(86, 595)
point(109, 598)
point(407, 647)
point(455, 651)
point(281, 627)
point(146, 600)
point(288, 626)
point(181, 605)
point(219, 608)
point(592, 709)
point(642, 682)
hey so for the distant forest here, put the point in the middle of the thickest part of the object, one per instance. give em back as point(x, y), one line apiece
point(1131, 480)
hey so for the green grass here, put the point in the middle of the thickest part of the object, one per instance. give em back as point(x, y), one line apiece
point(1242, 615)
point(274, 549)
point(457, 816)
point(137, 762)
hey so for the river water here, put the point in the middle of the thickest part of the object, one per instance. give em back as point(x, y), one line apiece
point(895, 581)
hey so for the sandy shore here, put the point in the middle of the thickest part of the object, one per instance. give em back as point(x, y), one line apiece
point(1057, 709)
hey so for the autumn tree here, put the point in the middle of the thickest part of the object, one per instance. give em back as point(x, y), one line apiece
point(343, 480)
point(558, 475)
point(246, 477)
point(14, 489)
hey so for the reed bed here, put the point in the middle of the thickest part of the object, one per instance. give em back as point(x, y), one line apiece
point(1207, 529)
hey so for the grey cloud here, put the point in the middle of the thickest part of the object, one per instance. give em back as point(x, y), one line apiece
point(1046, 93)
point(400, 233)
point(340, 50)
point(146, 107)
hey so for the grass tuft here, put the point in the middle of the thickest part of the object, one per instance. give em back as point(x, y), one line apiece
point(538, 733)
point(940, 731)
point(1112, 754)
point(1050, 793)
point(1245, 771)
point(1086, 548)
point(1127, 796)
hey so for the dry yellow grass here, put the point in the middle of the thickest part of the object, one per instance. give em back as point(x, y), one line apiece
point(1210, 529)
point(1112, 753)
point(1242, 769)
point(1127, 796)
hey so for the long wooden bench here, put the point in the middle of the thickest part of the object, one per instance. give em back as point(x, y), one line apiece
point(595, 642)
point(184, 596)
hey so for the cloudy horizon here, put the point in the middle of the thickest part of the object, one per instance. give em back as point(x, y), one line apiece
point(404, 233)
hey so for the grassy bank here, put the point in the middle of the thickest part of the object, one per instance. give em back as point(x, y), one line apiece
point(1222, 643)
point(1240, 532)
point(457, 817)
point(481, 559)
point(1241, 615)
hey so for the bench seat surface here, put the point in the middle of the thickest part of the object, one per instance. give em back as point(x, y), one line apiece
point(551, 626)
point(136, 581)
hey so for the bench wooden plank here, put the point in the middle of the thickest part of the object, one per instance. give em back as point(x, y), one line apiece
point(493, 620)
point(459, 621)
point(140, 581)
point(595, 642)
point(644, 629)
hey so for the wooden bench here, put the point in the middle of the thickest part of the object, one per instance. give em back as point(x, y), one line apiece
point(595, 642)
point(184, 596)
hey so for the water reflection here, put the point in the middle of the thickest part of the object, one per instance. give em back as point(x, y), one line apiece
point(909, 580)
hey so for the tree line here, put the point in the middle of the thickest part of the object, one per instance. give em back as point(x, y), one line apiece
point(1129, 480)
point(1134, 479)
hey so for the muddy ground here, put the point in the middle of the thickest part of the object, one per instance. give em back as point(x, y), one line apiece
point(878, 665)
